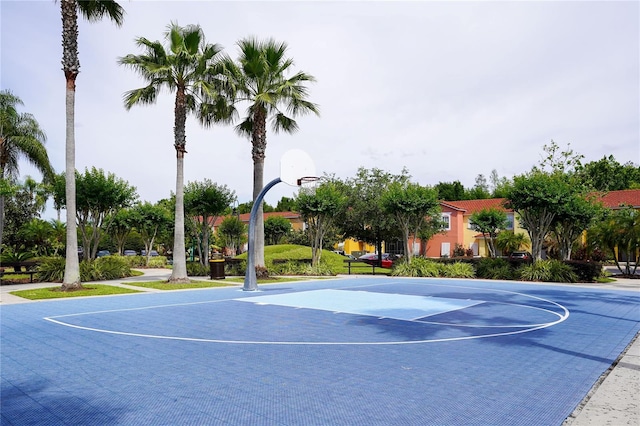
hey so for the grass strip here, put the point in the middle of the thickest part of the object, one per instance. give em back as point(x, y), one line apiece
point(56, 293)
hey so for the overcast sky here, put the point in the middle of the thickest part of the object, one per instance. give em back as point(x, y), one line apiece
point(447, 90)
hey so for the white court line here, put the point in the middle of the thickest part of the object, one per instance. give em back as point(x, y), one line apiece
point(562, 317)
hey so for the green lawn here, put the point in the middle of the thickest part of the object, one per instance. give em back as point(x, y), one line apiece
point(55, 293)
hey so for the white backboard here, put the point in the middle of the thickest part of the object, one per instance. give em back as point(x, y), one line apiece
point(296, 164)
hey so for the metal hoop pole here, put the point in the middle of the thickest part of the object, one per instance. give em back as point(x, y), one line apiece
point(250, 280)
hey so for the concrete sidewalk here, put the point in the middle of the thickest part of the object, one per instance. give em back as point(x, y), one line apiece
point(613, 400)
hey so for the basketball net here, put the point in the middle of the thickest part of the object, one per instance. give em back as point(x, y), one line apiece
point(308, 184)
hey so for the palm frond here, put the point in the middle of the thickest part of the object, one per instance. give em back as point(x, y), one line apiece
point(144, 95)
point(245, 128)
point(281, 122)
point(95, 10)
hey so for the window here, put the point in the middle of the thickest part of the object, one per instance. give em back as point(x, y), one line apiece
point(510, 221)
point(446, 221)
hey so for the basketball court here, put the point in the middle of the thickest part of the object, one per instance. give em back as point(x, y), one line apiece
point(374, 350)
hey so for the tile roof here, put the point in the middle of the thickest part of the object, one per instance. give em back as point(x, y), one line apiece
point(472, 206)
point(613, 199)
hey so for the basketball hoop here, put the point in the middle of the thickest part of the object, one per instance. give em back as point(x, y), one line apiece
point(308, 184)
point(306, 180)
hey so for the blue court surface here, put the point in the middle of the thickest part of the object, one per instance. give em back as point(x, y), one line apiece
point(357, 351)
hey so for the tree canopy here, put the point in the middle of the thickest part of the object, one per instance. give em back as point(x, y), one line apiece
point(412, 205)
point(98, 197)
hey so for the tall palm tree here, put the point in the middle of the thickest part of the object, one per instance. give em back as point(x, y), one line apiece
point(20, 137)
point(92, 10)
point(187, 67)
point(260, 78)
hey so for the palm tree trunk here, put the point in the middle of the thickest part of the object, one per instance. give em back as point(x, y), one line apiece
point(71, 280)
point(258, 179)
point(179, 274)
point(259, 146)
point(71, 67)
point(1, 218)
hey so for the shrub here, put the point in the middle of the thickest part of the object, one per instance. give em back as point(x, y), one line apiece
point(51, 269)
point(404, 269)
point(495, 269)
point(135, 261)
point(458, 250)
point(157, 262)
point(458, 270)
point(235, 268)
point(585, 271)
point(548, 270)
point(320, 270)
point(262, 273)
point(196, 269)
point(419, 267)
point(106, 268)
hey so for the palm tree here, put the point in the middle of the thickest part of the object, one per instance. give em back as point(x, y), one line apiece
point(509, 241)
point(260, 79)
point(188, 66)
point(20, 137)
point(93, 10)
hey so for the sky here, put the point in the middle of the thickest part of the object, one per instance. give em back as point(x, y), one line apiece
point(446, 90)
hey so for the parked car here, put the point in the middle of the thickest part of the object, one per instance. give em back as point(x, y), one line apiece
point(102, 253)
point(151, 253)
point(522, 255)
point(372, 259)
point(342, 253)
point(130, 253)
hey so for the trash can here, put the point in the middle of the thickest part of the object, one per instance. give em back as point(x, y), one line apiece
point(216, 269)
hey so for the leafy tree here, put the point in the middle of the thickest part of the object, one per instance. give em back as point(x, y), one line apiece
point(450, 191)
point(260, 79)
point(20, 137)
point(233, 232)
point(411, 204)
point(285, 204)
point(36, 235)
point(204, 202)
point(432, 225)
point(365, 217)
point(620, 230)
point(319, 209)
point(149, 219)
point(556, 161)
point(275, 228)
point(120, 227)
point(607, 174)
point(99, 196)
point(93, 10)
point(537, 198)
point(58, 235)
point(489, 222)
point(480, 191)
point(499, 185)
point(38, 192)
point(573, 218)
point(187, 66)
point(20, 209)
point(245, 208)
point(508, 242)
